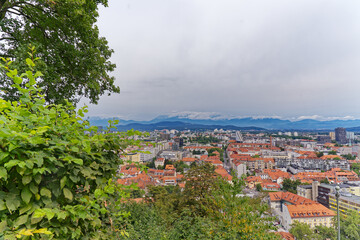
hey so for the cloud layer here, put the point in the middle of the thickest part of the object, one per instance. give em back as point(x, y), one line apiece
point(233, 57)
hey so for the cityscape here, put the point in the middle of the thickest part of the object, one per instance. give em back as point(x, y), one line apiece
point(296, 173)
point(179, 120)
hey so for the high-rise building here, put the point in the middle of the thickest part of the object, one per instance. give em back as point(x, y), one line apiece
point(350, 135)
point(340, 135)
point(332, 135)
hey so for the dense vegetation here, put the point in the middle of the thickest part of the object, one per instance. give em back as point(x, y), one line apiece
point(74, 58)
point(291, 185)
point(55, 177)
point(355, 167)
point(208, 208)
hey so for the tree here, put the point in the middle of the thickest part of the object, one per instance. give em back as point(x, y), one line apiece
point(350, 226)
point(52, 174)
point(332, 152)
point(325, 233)
point(209, 208)
point(258, 187)
point(320, 232)
point(355, 167)
point(74, 58)
point(325, 180)
point(302, 231)
point(200, 182)
point(180, 166)
point(291, 185)
point(349, 156)
point(319, 154)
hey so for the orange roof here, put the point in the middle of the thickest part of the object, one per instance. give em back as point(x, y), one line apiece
point(309, 210)
point(253, 179)
point(270, 185)
point(169, 167)
point(331, 157)
point(198, 147)
point(286, 235)
point(189, 159)
point(288, 197)
point(223, 173)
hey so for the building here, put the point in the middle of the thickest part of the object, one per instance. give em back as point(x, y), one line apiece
point(309, 191)
point(313, 214)
point(325, 191)
point(304, 191)
point(332, 136)
point(347, 202)
point(323, 139)
point(340, 135)
point(350, 135)
point(291, 207)
point(159, 162)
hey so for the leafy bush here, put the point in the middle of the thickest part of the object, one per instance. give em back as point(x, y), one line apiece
point(55, 173)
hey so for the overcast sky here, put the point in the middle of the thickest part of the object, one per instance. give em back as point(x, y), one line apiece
point(233, 57)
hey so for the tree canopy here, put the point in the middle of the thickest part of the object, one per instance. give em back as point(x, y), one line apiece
point(74, 58)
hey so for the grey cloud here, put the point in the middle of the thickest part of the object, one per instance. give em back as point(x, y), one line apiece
point(235, 57)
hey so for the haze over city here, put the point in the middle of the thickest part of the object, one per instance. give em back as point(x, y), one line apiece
point(290, 59)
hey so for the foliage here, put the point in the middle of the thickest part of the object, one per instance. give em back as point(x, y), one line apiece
point(328, 233)
point(291, 185)
point(75, 59)
point(355, 167)
point(319, 154)
point(151, 164)
point(258, 187)
point(53, 173)
point(302, 231)
point(349, 229)
point(325, 180)
point(332, 152)
point(350, 226)
point(208, 208)
point(180, 166)
point(349, 156)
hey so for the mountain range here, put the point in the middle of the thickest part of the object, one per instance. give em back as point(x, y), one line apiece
point(181, 123)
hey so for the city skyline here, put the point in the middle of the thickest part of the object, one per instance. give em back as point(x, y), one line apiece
point(234, 58)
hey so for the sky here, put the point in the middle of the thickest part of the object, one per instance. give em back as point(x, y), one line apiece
point(290, 59)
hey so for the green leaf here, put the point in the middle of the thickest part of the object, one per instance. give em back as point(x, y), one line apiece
point(3, 226)
point(21, 220)
point(63, 182)
point(2, 205)
point(26, 195)
point(3, 173)
point(39, 213)
point(33, 188)
point(29, 62)
point(49, 213)
point(78, 161)
point(3, 155)
point(12, 147)
point(68, 194)
point(45, 192)
point(37, 178)
point(11, 163)
point(38, 74)
point(12, 202)
point(25, 209)
point(62, 215)
point(26, 179)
